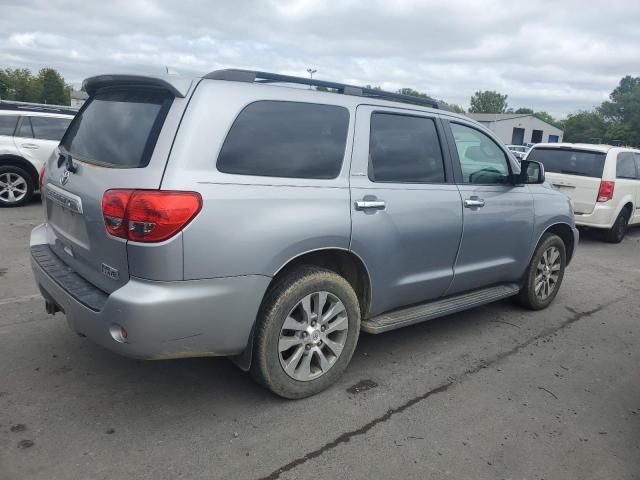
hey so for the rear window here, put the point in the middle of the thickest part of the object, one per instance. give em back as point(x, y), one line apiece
point(570, 161)
point(118, 128)
point(286, 139)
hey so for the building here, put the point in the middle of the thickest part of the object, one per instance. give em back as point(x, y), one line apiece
point(78, 97)
point(519, 129)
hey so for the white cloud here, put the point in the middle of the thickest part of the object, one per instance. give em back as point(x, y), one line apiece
point(548, 55)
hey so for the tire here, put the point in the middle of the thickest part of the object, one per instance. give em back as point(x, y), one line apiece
point(539, 280)
point(16, 186)
point(291, 300)
point(619, 230)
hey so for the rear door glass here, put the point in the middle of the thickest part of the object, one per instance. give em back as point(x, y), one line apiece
point(8, 124)
point(570, 161)
point(49, 128)
point(625, 166)
point(118, 128)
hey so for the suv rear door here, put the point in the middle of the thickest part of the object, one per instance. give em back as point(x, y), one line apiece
point(120, 139)
point(37, 136)
point(406, 212)
point(576, 172)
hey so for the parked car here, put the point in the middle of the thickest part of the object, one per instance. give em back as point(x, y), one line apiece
point(28, 135)
point(603, 182)
point(276, 226)
point(519, 151)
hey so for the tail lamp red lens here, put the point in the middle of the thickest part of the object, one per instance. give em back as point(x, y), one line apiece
point(148, 215)
point(606, 191)
point(43, 170)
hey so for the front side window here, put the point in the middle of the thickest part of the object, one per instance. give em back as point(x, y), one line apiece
point(286, 139)
point(49, 128)
point(8, 124)
point(625, 166)
point(404, 149)
point(482, 161)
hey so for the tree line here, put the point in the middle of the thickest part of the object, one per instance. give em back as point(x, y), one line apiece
point(47, 86)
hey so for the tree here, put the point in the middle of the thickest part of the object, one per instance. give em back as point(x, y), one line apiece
point(456, 108)
point(525, 110)
point(488, 102)
point(413, 93)
point(584, 127)
point(622, 111)
point(53, 88)
point(545, 117)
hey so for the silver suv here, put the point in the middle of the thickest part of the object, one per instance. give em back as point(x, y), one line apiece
point(233, 216)
point(29, 133)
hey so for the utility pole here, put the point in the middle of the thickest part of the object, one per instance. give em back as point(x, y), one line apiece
point(311, 71)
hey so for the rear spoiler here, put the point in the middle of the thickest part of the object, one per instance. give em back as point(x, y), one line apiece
point(178, 86)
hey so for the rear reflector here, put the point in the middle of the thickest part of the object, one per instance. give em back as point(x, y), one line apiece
point(148, 215)
point(606, 191)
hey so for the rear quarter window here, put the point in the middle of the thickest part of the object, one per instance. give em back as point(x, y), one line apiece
point(8, 124)
point(286, 139)
point(626, 166)
point(569, 161)
point(48, 128)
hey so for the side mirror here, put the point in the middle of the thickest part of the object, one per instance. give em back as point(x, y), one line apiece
point(531, 172)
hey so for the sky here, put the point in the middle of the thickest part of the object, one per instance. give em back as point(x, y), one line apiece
point(558, 56)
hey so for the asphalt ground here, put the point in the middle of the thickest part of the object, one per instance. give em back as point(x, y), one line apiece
point(492, 393)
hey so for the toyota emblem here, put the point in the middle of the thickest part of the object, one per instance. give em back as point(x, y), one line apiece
point(65, 177)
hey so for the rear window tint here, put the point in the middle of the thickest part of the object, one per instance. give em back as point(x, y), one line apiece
point(626, 166)
point(8, 124)
point(570, 161)
point(49, 128)
point(118, 128)
point(286, 139)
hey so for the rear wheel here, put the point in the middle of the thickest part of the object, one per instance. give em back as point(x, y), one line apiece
point(619, 229)
point(306, 334)
point(544, 274)
point(16, 186)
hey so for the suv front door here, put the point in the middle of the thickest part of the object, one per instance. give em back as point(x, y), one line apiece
point(498, 216)
point(406, 211)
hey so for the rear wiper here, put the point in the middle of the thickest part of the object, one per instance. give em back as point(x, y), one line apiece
point(65, 157)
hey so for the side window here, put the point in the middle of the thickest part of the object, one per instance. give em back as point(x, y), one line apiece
point(8, 124)
point(625, 166)
point(286, 139)
point(25, 130)
point(481, 160)
point(404, 149)
point(637, 155)
point(49, 128)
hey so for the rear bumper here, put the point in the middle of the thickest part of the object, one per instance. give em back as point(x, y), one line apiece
point(163, 319)
point(603, 216)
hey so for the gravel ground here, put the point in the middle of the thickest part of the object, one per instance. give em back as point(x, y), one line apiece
point(496, 392)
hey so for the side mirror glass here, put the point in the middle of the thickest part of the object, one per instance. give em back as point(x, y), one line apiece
point(531, 172)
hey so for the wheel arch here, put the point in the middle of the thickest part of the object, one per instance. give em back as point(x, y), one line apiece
point(565, 232)
point(20, 162)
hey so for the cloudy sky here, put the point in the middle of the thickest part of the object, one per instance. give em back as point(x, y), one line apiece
point(556, 55)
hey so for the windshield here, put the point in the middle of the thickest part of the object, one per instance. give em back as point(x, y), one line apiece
point(118, 128)
point(570, 161)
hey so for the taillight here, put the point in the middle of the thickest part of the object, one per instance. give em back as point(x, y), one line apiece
point(606, 191)
point(148, 215)
point(43, 169)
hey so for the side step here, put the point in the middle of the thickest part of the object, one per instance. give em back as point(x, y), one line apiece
point(438, 308)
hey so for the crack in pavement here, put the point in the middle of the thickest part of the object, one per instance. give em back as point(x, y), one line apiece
point(454, 380)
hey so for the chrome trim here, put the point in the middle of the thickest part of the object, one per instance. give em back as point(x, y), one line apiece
point(65, 199)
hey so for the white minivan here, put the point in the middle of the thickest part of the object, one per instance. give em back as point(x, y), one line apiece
point(603, 181)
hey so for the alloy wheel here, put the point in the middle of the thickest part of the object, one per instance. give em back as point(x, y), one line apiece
point(13, 187)
point(547, 273)
point(313, 336)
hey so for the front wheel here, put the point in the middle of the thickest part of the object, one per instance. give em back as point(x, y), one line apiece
point(306, 333)
point(544, 274)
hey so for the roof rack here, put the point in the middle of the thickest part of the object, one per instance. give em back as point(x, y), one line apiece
point(250, 76)
point(36, 107)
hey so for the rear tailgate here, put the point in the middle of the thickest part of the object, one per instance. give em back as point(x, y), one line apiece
point(575, 172)
point(120, 139)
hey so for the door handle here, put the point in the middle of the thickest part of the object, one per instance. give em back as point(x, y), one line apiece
point(30, 146)
point(474, 202)
point(370, 205)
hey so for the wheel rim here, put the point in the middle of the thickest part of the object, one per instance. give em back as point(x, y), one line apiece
point(547, 273)
point(313, 336)
point(13, 187)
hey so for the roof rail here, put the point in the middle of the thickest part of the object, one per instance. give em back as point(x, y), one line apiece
point(36, 107)
point(250, 76)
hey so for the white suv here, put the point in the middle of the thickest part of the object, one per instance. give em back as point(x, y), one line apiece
point(29, 133)
point(603, 182)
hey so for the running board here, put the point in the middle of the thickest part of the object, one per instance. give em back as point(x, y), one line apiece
point(438, 308)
